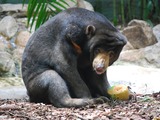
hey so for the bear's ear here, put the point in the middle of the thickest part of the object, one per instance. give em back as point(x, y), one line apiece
point(90, 30)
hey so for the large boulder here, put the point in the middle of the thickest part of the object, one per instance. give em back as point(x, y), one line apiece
point(8, 26)
point(148, 56)
point(139, 34)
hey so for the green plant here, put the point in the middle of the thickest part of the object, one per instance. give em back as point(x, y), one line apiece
point(150, 10)
point(122, 12)
point(147, 10)
point(114, 13)
point(41, 10)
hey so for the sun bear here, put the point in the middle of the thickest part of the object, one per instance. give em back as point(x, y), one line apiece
point(60, 64)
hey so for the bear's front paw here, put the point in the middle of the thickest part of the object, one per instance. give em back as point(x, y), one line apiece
point(101, 100)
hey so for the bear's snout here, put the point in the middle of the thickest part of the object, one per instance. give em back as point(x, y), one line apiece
point(101, 62)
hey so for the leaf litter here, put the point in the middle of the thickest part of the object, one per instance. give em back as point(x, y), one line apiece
point(145, 107)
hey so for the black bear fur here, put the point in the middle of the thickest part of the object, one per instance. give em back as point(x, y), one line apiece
point(57, 60)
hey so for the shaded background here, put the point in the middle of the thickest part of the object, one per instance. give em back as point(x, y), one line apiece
point(122, 11)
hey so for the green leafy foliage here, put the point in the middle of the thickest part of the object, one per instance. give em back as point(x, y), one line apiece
point(41, 10)
point(123, 10)
point(114, 13)
point(148, 10)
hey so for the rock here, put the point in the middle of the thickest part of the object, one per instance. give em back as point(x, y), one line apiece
point(138, 23)
point(7, 66)
point(128, 46)
point(81, 4)
point(132, 55)
point(156, 31)
point(152, 55)
point(22, 24)
point(1, 9)
point(139, 34)
point(12, 88)
point(10, 81)
point(88, 5)
point(148, 56)
point(17, 54)
point(15, 10)
point(13, 92)
point(22, 38)
point(4, 44)
point(13, 7)
point(8, 26)
point(17, 57)
point(84, 4)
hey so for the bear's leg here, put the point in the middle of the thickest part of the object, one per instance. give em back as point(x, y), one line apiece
point(98, 84)
point(49, 87)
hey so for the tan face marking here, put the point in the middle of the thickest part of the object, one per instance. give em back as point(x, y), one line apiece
point(101, 61)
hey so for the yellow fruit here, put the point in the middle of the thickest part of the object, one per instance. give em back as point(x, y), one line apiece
point(119, 92)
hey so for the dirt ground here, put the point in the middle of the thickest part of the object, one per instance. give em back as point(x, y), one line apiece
point(145, 107)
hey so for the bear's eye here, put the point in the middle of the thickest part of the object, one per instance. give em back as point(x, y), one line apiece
point(109, 36)
point(97, 50)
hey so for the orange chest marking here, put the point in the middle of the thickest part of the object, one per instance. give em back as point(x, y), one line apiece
point(77, 48)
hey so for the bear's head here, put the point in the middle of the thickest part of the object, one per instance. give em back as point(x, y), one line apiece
point(104, 46)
